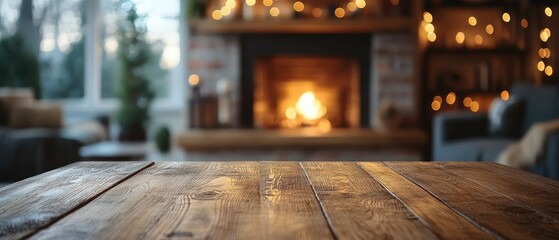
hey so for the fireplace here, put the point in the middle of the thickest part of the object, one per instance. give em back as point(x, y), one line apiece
point(303, 91)
point(296, 81)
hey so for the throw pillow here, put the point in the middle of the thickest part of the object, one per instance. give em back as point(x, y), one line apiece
point(505, 117)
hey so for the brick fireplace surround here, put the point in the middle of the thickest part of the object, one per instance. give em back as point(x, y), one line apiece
point(386, 74)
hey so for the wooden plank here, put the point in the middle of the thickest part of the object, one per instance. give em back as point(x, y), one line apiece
point(34, 203)
point(303, 26)
point(358, 207)
point(493, 211)
point(301, 138)
point(234, 200)
point(537, 192)
point(443, 220)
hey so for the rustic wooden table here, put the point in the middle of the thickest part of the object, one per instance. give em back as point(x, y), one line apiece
point(289, 200)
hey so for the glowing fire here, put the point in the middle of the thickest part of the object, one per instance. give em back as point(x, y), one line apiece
point(309, 107)
point(308, 111)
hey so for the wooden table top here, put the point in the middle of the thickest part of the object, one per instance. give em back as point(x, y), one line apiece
point(219, 139)
point(281, 200)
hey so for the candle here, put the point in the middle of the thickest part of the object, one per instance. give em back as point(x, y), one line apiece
point(194, 81)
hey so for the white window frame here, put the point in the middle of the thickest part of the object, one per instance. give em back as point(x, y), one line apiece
point(92, 102)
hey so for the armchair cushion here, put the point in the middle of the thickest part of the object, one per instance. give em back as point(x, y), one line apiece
point(473, 149)
point(551, 157)
point(541, 103)
point(505, 117)
point(458, 126)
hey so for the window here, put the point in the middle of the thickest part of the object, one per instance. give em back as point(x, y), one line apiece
point(162, 34)
point(74, 56)
point(53, 31)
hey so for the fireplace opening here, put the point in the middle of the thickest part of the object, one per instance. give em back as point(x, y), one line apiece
point(305, 80)
point(306, 92)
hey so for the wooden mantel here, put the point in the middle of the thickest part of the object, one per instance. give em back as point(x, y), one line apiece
point(301, 139)
point(333, 26)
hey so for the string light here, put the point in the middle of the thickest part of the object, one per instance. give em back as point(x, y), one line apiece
point(478, 39)
point(548, 71)
point(541, 66)
point(472, 21)
point(432, 37)
point(268, 3)
point(339, 12)
point(225, 11)
point(541, 52)
point(194, 79)
point(474, 106)
point(438, 99)
point(489, 29)
point(544, 53)
point(427, 17)
point(460, 37)
point(351, 7)
point(360, 3)
point(467, 101)
point(451, 98)
point(298, 6)
point(274, 12)
point(250, 2)
point(429, 27)
point(505, 95)
point(231, 4)
point(524, 23)
point(545, 34)
point(548, 11)
point(316, 12)
point(436, 105)
point(506, 17)
point(216, 15)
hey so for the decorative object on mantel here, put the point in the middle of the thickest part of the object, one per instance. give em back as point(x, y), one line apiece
point(224, 103)
point(195, 102)
point(203, 109)
point(388, 117)
point(135, 94)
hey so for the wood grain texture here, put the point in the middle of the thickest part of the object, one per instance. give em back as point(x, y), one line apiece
point(493, 211)
point(358, 207)
point(247, 200)
point(443, 220)
point(537, 192)
point(36, 202)
point(301, 138)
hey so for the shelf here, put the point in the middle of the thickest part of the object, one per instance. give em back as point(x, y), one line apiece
point(485, 51)
point(329, 26)
point(464, 92)
point(473, 4)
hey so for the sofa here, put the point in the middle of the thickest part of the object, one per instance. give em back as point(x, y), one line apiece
point(35, 136)
point(464, 136)
point(30, 151)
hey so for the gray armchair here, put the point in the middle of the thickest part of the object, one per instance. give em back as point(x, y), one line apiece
point(463, 136)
